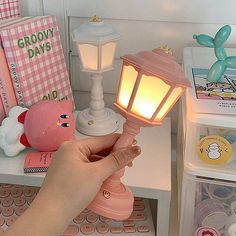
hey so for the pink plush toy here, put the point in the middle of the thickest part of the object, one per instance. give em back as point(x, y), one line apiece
point(44, 127)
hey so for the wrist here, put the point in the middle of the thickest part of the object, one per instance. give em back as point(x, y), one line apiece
point(51, 212)
point(45, 216)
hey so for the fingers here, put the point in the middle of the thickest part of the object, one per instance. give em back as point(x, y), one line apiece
point(94, 145)
point(107, 151)
point(117, 160)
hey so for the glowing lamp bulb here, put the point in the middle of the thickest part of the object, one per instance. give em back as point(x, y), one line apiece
point(150, 84)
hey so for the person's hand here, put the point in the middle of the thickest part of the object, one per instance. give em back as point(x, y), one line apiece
point(76, 180)
point(72, 181)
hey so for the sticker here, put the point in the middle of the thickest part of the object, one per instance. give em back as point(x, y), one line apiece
point(90, 122)
point(214, 150)
point(106, 194)
point(207, 231)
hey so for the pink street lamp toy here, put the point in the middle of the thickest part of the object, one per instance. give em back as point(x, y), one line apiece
point(44, 127)
point(151, 83)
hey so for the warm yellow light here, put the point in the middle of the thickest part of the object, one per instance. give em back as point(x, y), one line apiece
point(175, 94)
point(108, 52)
point(128, 78)
point(89, 56)
point(149, 95)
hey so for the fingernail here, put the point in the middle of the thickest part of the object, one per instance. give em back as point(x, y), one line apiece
point(136, 150)
point(134, 142)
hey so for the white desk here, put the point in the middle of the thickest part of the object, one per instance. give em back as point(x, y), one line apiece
point(150, 177)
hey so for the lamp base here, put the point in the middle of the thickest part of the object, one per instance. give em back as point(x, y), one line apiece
point(117, 205)
point(97, 126)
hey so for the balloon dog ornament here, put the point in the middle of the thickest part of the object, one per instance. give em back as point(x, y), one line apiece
point(43, 127)
point(218, 68)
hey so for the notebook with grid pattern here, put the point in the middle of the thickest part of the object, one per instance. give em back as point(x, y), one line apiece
point(9, 8)
point(36, 61)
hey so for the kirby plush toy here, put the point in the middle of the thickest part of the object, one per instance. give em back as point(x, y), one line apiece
point(44, 127)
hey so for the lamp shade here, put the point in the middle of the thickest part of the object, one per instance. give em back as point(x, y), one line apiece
point(151, 83)
point(96, 43)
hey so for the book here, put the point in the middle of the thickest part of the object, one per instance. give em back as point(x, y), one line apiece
point(9, 8)
point(6, 87)
point(2, 111)
point(209, 97)
point(36, 162)
point(36, 60)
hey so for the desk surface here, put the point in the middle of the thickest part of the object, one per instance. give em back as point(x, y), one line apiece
point(149, 176)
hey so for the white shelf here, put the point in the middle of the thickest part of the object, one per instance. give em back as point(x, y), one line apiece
point(150, 171)
point(150, 176)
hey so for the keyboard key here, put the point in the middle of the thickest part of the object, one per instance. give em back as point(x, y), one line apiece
point(71, 230)
point(139, 208)
point(102, 228)
point(17, 186)
point(130, 229)
point(19, 201)
point(1, 231)
point(7, 186)
point(6, 202)
point(29, 191)
point(116, 230)
point(79, 219)
point(2, 221)
point(137, 216)
point(139, 204)
point(87, 228)
point(138, 199)
point(20, 210)
point(86, 210)
point(7, 211)
point(4, 192)
point(11, 220)
point(16, 192)
point(92, 217)
point(128, 223)
point(143, 229)
point(104, 219)
point(29, 200)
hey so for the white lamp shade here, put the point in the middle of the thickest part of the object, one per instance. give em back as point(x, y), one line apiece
point(89, 56)
point(96, 43)
point(107, 55)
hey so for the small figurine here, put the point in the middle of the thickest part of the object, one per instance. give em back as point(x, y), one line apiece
point(43, 127)
point(218, 68)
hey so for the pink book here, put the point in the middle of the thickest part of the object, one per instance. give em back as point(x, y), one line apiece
point(2, 111)
point(36, 162)
point(6, 87)
point(36, 60)
point(9, 8)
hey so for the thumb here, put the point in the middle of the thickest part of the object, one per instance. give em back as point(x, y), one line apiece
point(117, 160)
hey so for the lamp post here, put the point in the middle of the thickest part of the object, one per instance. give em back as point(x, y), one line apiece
point(96, 43)
point(151, 83)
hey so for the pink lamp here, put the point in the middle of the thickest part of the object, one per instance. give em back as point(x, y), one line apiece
point(151, 83)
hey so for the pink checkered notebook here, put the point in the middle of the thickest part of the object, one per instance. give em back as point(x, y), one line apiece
point(9, 8)
point(36, 162)
point(2, 111)
point(6, 87)
point(36, 61)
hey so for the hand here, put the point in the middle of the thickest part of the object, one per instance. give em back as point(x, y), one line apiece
point(72, 182)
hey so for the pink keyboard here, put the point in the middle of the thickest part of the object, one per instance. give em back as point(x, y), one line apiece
point(15, 199)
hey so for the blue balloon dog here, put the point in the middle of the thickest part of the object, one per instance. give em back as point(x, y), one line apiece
point(218, 68)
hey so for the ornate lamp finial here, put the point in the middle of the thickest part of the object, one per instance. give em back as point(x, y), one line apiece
point(166, 49)
point(95, 19)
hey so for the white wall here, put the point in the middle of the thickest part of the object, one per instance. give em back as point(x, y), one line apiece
point(143, 25)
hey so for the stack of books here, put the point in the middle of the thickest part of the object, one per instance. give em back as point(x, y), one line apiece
point(32, 64)
point(9, 8)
